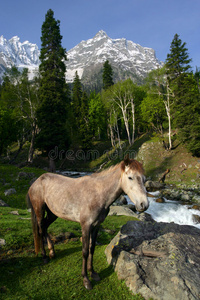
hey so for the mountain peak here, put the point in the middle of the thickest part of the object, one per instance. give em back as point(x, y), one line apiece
point(127, 58)
point(101, 34)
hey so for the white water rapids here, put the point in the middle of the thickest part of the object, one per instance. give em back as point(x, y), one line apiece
point(171, 211)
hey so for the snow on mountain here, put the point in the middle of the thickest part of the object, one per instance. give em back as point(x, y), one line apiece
point(21, 55)
point(122, 54)
point(127, 58)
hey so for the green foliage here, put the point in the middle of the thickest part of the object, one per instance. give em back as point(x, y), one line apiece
point(76, 97)
point(53, 92)
point(186, 93)
point(122, 101)
point(177, 61)
point(80, 107)
point(153, 112)
point(97, 115)
point(107, 75)
point(187, 116)
point(8, 129)
point(83, 121)
point(20, 96)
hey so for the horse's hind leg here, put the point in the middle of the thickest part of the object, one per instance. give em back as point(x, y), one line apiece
point(50, 218)
point(42, 232)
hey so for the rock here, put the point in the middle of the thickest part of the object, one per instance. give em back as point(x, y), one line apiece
point(196, 219)
point(185, 197)
point(160, 200)
point(121, 211)
point(145, 217)
point(2, 242)
point(120, 201)
point(25, 175)
point(14, 212)
point(3, 204)
point(150, 195)
point(196, 198)
point(131, 207)
point(171, 194)
point(154, 185)
point(63, 237)
point(158, 260)
point(197, 207)
point(10, 192)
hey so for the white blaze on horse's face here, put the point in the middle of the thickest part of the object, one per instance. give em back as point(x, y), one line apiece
point(133, 186)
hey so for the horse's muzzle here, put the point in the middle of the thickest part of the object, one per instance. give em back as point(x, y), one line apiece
point(142, 206)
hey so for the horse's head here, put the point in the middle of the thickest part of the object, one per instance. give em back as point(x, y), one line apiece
point(132, 183)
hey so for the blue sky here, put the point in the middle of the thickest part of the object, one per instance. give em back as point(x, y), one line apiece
point(150, 23)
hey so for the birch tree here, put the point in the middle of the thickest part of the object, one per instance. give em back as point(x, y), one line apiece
point(159, 85)
point(21, 96)
point(122, 99)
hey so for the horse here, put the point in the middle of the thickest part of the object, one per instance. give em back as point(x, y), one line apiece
point(85, 200)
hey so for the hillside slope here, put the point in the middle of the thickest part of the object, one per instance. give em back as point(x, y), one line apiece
point(184, 168)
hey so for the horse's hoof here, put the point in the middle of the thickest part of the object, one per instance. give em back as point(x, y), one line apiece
point(45, 260)
point(95, 276)
point(51, 255)
point(87, 284)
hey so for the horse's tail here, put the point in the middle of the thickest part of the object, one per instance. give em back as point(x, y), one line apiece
point(36, 235)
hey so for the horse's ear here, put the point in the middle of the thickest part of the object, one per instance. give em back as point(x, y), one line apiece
point(126, 160)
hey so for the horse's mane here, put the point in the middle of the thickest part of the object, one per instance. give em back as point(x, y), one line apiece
point(106, 171)
point(133, 164)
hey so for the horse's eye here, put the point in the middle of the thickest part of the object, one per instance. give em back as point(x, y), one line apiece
point(130, 178)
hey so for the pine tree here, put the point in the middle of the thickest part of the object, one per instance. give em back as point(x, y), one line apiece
point(77, 95)
point(52, 111)
point(177, 62)
point(186, 112)
point(84, 125)
point(107, 75)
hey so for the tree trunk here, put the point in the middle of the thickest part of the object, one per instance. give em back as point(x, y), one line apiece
point(118, 135)
point(133, 118)
point(31, 148)
point(21, 143)
point(167, 107)
point(111, 136)
point(126, 126)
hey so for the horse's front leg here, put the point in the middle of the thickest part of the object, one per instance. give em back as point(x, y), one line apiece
point(85, 253)
point(93, 237)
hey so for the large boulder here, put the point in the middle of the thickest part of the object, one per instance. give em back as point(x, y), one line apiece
point(158, 260)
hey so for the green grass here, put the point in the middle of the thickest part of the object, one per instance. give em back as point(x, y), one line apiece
point(8, 179)
point(25, 276)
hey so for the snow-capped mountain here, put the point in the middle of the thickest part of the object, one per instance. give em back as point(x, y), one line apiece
point(87, 58)
point(21, 55)
point(127, 58)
